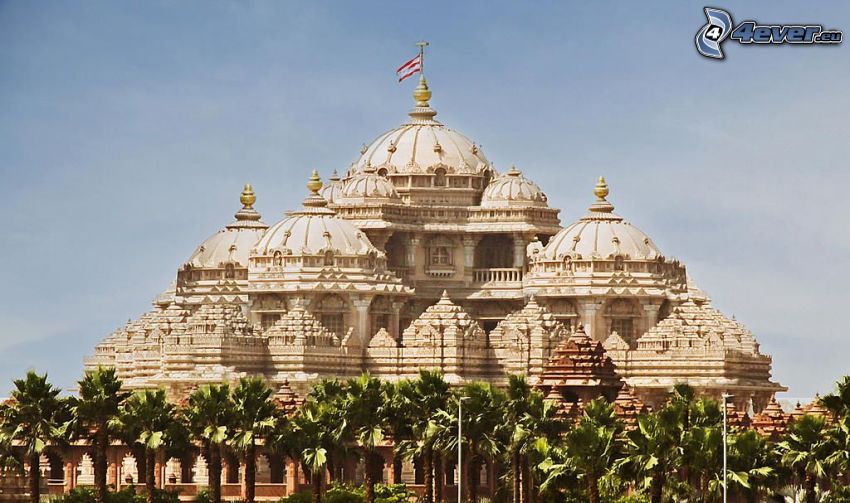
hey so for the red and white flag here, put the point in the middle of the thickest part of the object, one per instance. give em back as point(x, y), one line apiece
point(409, 68)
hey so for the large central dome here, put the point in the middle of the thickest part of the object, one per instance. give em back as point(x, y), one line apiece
point(424, 147)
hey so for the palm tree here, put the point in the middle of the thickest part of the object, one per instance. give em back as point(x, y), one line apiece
point(594, 445)
point(150, 422)
point(209, 415)
point(806, 450)
point(413, 405)
point(307, 437)
point(32, 418)
point(751, 464)
point(93, 414)
point(531, 426)
point(366, 412)
point(330, 394)
point(484, 430)
point(255, 416)
point(838, 402)
point(652, 451)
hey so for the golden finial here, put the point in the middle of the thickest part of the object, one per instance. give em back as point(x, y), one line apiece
point(315, 183)
point(422, 94)
point(601, 189)
point(248, 198)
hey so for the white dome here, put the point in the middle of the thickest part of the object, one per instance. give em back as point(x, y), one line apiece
point(232, 244)
point(314, 230)
point(601, 234)
point(512, 189)
point(368, 185)
point(332, 191)
point(422, 145)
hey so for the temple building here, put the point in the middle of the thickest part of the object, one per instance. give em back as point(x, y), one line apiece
point(422, 255)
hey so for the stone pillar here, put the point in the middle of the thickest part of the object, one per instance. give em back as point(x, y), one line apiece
point(395, 321)
point(291, 476)
point(70, 473)
point(112, 475)
point(650, 319)
point(361, 306)
point(243, 479)
point(519, 251)
point(379, 238)
point(469, 243)
point(412, 248)
point(588, 319)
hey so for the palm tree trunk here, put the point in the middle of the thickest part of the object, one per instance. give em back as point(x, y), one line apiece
point(35, 478)
point(316, 478)
point(397, 469)
point(214, 471)
point(439, 476)
point(250, 473)
point(101, 443)
point(428, 469)
point(471, 481)
point(369, 481)
point(516, 478)
point(656, 488)
point(811, 484)
point(331, 462)
point(593, 488)
point(527, 485)
point(150, 474)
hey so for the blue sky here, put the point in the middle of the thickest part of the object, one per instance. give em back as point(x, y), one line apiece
point(128, 128)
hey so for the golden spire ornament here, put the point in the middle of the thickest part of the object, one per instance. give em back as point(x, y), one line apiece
point(601, 189)
point(315, 183)
point(248, 198)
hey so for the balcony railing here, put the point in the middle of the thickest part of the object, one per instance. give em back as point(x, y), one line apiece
point(497, 275)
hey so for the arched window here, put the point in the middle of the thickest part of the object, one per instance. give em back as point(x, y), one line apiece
point(278, 259)
point(618, 263)
point(383, 172)
point(329, 258)
point(440, 256)
point(229, 271)
point(495, 251)
point(623, 316)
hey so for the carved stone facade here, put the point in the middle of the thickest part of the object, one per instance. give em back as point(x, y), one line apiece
point(424, 256)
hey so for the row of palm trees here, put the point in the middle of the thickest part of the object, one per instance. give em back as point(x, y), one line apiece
point(672, 454)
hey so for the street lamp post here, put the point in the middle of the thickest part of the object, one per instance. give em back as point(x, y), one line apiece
point(726, 396)
point(460, 401)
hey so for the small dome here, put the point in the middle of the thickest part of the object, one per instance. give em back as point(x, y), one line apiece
point(512, 189)
point(332, 191)
point(232, 244)
point(314, 230)
point(422, 145)
point(601, 234)
point(368, 186)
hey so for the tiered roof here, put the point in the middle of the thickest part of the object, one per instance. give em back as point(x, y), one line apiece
point(737, 419)
point(628, 407)
point(300, 328)
point(286, 399)
point(446, 318)
point(772, 422)
point(580, 367)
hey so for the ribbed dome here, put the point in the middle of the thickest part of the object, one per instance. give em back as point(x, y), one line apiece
point(601, 234)
point(314, 230)
point(232, 244)
point(512, 189)
point(332, 191)
point(422, 145)
point(368, 186)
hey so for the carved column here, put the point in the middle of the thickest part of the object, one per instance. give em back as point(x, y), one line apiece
point(291, 476)
point(395, 320)
point(589, 310)
point(70, 472)
point(412, 247)
point(361, 307)
point(159, 469)
point(519, 251)
point(469, 243)
point(650, 319)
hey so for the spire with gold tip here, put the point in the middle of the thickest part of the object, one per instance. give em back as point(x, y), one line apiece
point(314, 204)
point(422, 113)
point(247, 216)
point(601, 192)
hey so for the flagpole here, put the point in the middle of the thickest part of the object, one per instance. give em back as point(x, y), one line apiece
point(422, 45)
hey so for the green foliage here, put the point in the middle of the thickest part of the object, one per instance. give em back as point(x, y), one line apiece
point(126, 495)
point(302, 497)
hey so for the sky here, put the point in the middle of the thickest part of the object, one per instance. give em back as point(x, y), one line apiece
point(127, 130)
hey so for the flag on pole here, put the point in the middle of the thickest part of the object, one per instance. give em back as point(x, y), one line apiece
point(409, 68)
